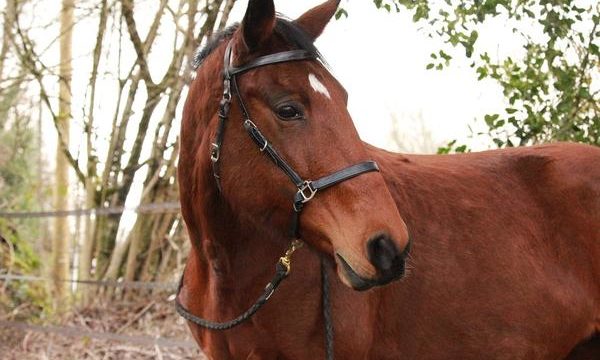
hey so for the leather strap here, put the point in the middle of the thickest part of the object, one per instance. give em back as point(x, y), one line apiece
point(281, 273)
point(263, 144)
point(281, 57)
point(345, 174)
point(327, 316)
point(223, 114)
point(335, 178)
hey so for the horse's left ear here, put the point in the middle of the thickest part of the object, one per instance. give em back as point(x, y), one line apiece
point(258, 22)
point(314, 20)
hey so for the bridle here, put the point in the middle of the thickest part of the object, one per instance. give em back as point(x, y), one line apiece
point(306, 189)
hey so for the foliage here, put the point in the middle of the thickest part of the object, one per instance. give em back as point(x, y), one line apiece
point(18, 257)
point(18, 153)
point(453, 147)
point(18, 190)
point(551, 91)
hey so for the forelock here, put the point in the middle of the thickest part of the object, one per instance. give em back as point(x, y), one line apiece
point(285, 28)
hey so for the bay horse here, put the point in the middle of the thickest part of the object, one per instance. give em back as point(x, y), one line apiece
point(505, 244)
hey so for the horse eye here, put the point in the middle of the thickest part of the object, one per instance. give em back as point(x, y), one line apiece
point(289, 112)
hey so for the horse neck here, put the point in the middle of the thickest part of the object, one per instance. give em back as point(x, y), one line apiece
point(237, 253)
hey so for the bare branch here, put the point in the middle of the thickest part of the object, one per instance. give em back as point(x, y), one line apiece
point(142, 48)
point(127, 9)
point(92, 162)
point(30, 60)
point(226, 11)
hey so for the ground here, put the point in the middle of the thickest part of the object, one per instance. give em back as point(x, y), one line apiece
point(123, 329)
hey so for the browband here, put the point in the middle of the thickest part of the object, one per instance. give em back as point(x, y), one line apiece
point(282, 57)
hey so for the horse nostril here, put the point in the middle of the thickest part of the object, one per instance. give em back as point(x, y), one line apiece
point(382, 252)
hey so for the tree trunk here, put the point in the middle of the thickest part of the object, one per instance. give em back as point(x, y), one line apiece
point(116, 259)
point(61, 238)
point(87, 247)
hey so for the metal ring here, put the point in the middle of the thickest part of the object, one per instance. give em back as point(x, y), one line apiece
point(215, 152)
point(250, 123)
point(264, 146)
point(298, 207)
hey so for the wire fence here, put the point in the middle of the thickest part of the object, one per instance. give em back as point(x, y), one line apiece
point(139, 285)
point(142, 209)
point(78, 332)
point(83, 333)
point(152, 208)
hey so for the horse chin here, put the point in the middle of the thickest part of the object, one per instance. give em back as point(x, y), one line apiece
point(359, 283)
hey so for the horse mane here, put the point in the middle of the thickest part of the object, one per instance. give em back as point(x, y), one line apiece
point(285, 28)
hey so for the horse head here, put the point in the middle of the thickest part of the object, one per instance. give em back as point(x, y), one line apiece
point(302, 110)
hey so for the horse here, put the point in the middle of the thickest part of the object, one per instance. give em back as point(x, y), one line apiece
point(489, 255)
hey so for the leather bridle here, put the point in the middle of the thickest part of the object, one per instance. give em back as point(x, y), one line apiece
point(306, 189)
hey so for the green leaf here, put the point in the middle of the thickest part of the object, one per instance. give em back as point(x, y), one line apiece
point(444, 55)
point(341, 12)
point(482, 71)
point(461, 149)
point(473, 37)
point(490, 119)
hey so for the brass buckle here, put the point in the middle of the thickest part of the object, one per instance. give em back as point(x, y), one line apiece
point(306, 191)
point(286, 259)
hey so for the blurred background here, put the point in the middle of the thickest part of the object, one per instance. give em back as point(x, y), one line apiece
point(91, 93)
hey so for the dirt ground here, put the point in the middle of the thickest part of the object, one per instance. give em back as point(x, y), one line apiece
point(107, 330)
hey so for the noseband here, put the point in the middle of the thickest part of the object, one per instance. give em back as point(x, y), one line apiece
point(306, 189)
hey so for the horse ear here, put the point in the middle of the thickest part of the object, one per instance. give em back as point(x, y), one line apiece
point(314, 20)
point(258, 22)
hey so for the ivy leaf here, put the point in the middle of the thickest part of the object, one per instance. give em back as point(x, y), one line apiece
point(341, 12)
point(490, 119)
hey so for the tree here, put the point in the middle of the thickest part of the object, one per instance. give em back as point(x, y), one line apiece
point(129, 123)
point(61, 236)
point(550, 92)
point(411, 135)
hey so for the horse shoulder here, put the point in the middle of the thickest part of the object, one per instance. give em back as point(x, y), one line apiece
point(568, 177)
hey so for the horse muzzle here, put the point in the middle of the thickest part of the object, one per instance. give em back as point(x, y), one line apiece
point(389, 263)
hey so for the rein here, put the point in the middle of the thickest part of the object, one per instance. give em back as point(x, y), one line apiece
point(306, 190)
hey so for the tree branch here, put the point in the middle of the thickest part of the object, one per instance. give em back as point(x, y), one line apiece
point(140, 48)
point(30, 60)
point(91, 159)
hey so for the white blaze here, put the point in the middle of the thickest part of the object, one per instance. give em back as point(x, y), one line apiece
point(318, 86)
